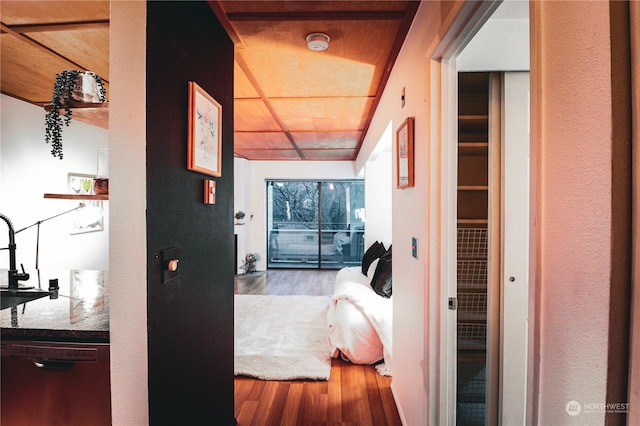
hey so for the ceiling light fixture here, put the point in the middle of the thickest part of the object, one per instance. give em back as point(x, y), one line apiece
point(318, 41)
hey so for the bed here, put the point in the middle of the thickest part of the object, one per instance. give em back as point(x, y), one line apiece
point(360, 319)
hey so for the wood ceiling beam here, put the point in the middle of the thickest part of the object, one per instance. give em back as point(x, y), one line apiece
point(350, 130)
point(317, 16)
point(254, 82)
point(309, 98)
point(59, 26)
point(231, 30)
point(410, 13)
point(20, 98)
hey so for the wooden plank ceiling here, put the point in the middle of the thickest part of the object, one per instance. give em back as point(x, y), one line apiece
point(291, 103)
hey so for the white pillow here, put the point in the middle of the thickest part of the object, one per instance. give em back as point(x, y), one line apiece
point(372, 268)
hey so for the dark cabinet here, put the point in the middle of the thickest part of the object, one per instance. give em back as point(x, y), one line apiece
point(38, 391)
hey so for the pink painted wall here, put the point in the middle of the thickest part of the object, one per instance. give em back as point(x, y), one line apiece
point(572, 208)
point(571, 136)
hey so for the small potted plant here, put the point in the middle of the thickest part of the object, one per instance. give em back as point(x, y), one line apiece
point(70, 86)
point(239, 216)
point(249, 264)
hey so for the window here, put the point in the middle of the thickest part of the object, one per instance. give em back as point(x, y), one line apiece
point(312, 224)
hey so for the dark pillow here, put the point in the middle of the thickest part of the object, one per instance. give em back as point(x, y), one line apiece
point(381, 282)
point(373, 252)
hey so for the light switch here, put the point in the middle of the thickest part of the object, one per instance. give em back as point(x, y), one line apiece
point(170, 264)
point(209, 191)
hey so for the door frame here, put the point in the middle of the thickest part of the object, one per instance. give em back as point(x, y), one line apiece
point(633, 391)
point(444, 83)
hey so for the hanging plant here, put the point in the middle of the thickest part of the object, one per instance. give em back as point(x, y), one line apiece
point(69, 87)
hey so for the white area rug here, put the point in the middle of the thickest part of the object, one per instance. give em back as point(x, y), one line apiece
point(282, 337)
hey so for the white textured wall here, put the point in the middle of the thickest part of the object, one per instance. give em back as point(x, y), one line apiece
point(409, 217)
point(378, 189)
point(128, 254)
point(28, 170)
point(242, 199)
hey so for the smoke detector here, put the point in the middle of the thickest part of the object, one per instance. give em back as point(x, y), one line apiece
point(318, 41)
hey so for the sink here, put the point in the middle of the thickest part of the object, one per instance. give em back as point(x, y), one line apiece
point(10, 298)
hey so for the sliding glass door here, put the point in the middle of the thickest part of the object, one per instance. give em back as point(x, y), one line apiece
point(315, 224)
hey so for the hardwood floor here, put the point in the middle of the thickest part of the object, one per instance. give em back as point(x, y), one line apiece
point(281, 282)
point(353, 395)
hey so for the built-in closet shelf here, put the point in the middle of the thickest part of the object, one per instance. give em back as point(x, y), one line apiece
point(473, 188)
point(472, 221)
point(96, 114)
point(473, 119)
point(473, 148)
point(77, 196)
point(472, 317)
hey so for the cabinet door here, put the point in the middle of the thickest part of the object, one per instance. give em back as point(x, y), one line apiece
point(79, 395)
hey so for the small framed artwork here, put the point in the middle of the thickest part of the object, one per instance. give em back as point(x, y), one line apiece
point(205, 132)
point(404, 154)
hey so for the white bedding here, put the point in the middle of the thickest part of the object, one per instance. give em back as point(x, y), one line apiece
point(360, 321)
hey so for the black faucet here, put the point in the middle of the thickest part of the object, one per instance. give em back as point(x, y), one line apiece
point(14, 276)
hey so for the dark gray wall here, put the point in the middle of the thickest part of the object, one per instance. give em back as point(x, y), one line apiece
point(190, 321)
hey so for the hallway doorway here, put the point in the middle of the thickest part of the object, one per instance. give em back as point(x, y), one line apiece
point(487, 151)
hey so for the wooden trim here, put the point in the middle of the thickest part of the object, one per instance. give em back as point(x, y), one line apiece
point(620, 284)
point(634, 351)
point(11, 95)
point(320, 15)
point(536, 58)
point(59, 26)
point(76, 197)
point(49, 107)
point(446, 166)
point(218, 10)
point(494, 261)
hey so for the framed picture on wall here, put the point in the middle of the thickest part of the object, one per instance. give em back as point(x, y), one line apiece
point(404, 154)
point(89, 218)
point(205, 132)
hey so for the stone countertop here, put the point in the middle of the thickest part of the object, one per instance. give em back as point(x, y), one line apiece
point(79, 313)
